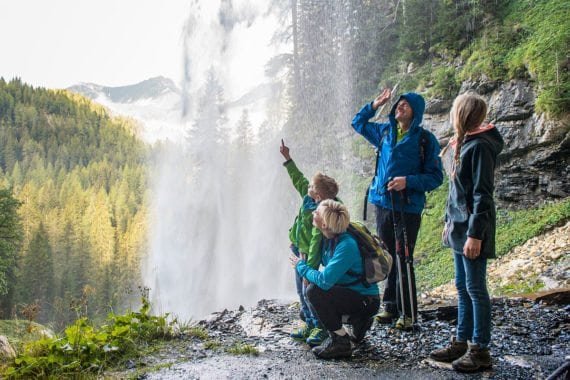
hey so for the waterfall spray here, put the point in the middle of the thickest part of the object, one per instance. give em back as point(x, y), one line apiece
point(220, 207)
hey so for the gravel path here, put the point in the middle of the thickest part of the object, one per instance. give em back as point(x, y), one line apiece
point(530, 340)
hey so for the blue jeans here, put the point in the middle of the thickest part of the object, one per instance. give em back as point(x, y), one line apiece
point(310, 318)
point(474, 304)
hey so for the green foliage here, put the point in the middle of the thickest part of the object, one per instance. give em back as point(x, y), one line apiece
point(487, 57)
point(198, 332)
point(545, 51)
point(445, 83)
point(11, 236)
point(435, 262)
point(523, 286)
point(516, 227)
point(241, 348)
point(84, 348)
point(533, 39)
point(19, 332)
point(80, 176)
point(212, 344)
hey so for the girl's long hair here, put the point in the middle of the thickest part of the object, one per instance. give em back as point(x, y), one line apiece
point(467, 113)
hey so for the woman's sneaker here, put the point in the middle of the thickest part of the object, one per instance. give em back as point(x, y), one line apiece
point(385, 317)
point(475, 359)
point(404, 324)
point(316, 337)
point(302, 333)
point(454, 351)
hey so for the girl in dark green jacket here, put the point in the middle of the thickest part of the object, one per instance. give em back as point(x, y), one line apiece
point(470, 160)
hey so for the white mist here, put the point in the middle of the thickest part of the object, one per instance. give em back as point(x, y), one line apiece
point(222, 203)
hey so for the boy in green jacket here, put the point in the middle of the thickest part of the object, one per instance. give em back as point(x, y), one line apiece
point(306, 239)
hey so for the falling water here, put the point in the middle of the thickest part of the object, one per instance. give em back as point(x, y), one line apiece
point(222, 202)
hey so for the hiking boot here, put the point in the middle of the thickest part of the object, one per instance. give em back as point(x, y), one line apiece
point(385, 317)
point(316, 337)
point(301, 333)
point(475, 359)
point(453, 351)
point(404, 324)
point(335, 346)
point(359, 328)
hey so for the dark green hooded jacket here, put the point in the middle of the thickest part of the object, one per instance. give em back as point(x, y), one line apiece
point(470, 210)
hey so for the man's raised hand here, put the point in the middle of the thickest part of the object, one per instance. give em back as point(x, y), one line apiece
point(382, 98)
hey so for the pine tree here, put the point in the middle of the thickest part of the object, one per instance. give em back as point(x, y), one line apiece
point(11, 236)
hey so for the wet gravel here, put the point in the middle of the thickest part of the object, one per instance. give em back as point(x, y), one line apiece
point(530, 341)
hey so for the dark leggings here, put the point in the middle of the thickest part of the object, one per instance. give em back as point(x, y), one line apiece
point(330, 305)
point(385, 228)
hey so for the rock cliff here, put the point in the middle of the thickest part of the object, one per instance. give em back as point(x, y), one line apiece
point(535, 163)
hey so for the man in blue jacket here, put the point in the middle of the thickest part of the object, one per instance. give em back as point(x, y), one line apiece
point(408, 167)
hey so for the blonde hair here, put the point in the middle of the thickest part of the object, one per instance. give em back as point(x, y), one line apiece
point(467, 113)
point(325, 186)
point(335, 216)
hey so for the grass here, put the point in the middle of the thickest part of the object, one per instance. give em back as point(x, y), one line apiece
point(19, 332)
point(198, 332)
point(239, 348)
point(525, 285)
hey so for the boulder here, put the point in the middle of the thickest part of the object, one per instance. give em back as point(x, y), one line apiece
point(7, 352)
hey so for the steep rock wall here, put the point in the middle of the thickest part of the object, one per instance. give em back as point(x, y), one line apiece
point(535, 163)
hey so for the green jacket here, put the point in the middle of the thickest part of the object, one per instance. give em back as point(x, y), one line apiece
point(303, 234)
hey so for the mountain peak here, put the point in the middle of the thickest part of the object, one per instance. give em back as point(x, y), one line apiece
point(149, 88)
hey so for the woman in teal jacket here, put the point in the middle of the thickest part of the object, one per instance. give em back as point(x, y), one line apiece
point(327, 292)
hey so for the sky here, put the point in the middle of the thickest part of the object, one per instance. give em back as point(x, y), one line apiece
point(59, 43)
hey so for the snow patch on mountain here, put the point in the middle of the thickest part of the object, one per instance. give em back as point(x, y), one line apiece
point(155, 103)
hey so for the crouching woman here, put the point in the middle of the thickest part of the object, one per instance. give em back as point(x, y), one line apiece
point(332, 291)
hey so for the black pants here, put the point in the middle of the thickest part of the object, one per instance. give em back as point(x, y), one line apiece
point(385, 228)
point(330, 305)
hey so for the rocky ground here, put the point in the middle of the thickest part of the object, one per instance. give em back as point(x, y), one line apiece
point(531, 335)
point(530, 340)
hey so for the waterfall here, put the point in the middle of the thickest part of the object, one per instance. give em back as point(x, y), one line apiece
point(221, 202)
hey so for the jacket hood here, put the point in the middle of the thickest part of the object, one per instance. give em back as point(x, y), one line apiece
point(418, 105)
point(489, 133)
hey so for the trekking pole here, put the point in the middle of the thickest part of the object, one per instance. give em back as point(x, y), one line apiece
point(408, 259)
point(398, 250)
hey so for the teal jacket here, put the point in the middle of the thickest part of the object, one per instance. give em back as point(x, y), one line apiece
point(303, 234)
point(338, 256)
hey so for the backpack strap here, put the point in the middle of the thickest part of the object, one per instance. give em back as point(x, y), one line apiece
point(424, 139)
point(378, 149)
point(360, 277)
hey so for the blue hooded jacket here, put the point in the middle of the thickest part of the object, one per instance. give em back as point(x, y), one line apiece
point(399, 159)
